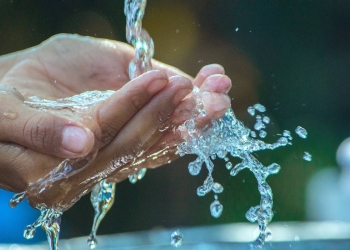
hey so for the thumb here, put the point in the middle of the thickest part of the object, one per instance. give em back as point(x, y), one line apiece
point(41, 131)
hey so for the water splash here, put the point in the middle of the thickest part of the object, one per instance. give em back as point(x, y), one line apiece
point(301, 132)
point(102, 199)
point(49, 220)
point(134, 11)
point(176, 239)
point(225, 136)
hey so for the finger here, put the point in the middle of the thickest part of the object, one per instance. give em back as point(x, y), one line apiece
point(216, 83)
point(215, 106)
point(41, 131)
point(140, 133)
point(169, 70)
point(207, 71)
point(118, 109)
point(20, 166)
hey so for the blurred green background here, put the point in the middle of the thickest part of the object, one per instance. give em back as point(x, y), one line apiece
point(291, 56)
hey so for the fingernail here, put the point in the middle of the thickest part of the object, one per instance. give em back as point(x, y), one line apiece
point(74, 139)
point(213, 69)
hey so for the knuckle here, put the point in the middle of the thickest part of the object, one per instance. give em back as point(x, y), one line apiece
point(40, 132)
point(135, 102)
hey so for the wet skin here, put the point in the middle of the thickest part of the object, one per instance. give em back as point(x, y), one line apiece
point(127, 129)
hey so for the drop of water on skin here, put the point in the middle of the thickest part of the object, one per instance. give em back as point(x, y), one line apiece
point(216, 208)
point(301, 132)
point(10, 115)
point(176, 239)
point(307, 156)
point(251, 111)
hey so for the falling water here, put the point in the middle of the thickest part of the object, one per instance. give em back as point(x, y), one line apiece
point(226, 136)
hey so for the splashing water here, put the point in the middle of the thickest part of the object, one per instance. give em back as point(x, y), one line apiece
point(176, 239)
point(225, 136)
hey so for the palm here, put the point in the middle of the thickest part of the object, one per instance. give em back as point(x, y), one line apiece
point(68, 65)
point(65, 66)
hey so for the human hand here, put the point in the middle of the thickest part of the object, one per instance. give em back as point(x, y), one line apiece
point(67, 65)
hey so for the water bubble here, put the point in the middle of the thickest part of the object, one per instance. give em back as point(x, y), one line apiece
point(259, 107)
point(262, 133)
point(266, 119)
point(176, 239)
point(237, 29)
point(216, 209)
point(307, 156)
point(251, 111)
point(301, 132)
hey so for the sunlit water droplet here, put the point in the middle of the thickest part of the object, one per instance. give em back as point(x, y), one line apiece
point(307, 156)
point(301, 132)
point(216, 208)
point(259, 107)
point(262, 133)
point(266, 119)
point(251, 111)
point(176, 239)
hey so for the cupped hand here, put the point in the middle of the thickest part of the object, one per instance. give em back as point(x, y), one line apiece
point(128, 125)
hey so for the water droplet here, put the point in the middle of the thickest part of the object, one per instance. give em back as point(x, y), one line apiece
point(251, 111)
point(283, 141)
point(176, 239)
point(266, 120)
point(253, 134)
point(221, 154)
point(274, 168)
point(259, 125)
point(262, 133)
point(237, 29)
point(10, 114)
point(301, 132)
point(194, 168)
point(216, 209)
point(92, 242)
point(307, 156)
point(259, 107)
point(252, 214)
point(29, 232)
point(217, 188)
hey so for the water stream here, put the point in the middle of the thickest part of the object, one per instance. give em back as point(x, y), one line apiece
point(226, 137)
